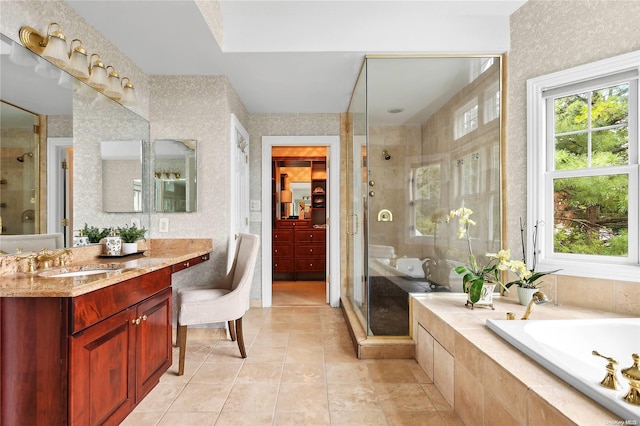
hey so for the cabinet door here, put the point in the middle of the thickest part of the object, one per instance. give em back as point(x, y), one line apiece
point(102, 371)
point(153, 341)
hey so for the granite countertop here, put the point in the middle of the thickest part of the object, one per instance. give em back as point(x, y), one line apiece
point(40, 284)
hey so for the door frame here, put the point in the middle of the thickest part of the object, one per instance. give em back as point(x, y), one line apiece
point(240, 182)
point(56, 152)
point(333, 228)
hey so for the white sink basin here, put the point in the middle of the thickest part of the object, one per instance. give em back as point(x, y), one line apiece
point(80, 273)
point(81, 270)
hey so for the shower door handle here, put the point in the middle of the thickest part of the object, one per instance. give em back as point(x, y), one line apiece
point(357, 223)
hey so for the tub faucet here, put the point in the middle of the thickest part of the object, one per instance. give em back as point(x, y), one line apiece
point(539, 298)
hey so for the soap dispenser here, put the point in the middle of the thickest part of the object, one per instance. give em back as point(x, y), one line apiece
point(112, 244)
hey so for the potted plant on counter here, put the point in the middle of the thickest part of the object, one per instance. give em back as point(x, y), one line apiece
point(93, 234)
point(527, 280)
point(130, 236)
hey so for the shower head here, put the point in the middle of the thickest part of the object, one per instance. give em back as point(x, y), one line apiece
point(21, 158)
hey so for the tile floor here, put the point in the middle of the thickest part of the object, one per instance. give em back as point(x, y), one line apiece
point(301, 369)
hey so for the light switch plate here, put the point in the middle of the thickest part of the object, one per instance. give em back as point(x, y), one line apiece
point(254, 206)
point(163, 225)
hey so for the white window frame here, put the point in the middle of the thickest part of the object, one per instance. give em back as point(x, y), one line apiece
point(463, 127)
point(539, 184)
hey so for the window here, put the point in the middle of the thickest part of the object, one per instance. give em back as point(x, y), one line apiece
point(425, 199)
point(583, 151)
point(466, 119)
point(491, 109)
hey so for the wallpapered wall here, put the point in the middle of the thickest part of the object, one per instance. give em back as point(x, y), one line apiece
point(548, 36)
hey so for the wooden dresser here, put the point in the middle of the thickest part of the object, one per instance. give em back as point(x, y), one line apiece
point(298, 250)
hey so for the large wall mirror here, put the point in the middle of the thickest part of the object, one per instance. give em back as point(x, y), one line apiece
point(50, 154)
point(175, 175)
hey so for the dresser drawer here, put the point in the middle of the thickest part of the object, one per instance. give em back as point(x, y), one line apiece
point(281, 250)
point(310, 250)
point(294, 224)
point(282, 236)
point(309, 265)
point(310, 235)
point(283, 265)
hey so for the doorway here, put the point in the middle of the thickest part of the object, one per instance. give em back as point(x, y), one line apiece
point(331, 279)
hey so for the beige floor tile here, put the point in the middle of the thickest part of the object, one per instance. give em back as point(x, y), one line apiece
point(305, 339)
point(302, 397)
point(260, 372)
point(266, 338)
point(160, 397)
point(305, 354)
point(142, 419)
point(306, 418)
point(201, 397)
point(246, 418)
point(266, 354)
point(252, 397)
point(391, 371)
point(347, 372)
point(340, 354)
point(188, 418)
point(304, 372)
point(416, 418)
point(301, 369)
point(358, 418)
point(352, 396)
point(403, 397)
point(217, 372)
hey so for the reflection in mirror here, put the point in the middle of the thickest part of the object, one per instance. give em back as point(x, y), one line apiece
point(301, 195)
point(73, 118)
point(121, 176)
point(175, 175)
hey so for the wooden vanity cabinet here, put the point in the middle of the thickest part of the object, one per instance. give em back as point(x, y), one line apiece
point(84, 360)
point(116, 362)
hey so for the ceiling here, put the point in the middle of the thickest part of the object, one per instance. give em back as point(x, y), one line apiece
point(295, 56)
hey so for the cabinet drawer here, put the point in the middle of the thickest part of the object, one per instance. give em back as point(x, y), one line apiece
point(310, 235)
point(294, 223)
point(283, 265)
point(282, 236)
point(309, 265)
point(280, 250)
point(310, 250)
point(189, 263)
point(90, 308)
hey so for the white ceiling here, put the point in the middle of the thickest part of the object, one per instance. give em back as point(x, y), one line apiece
point(295, 56)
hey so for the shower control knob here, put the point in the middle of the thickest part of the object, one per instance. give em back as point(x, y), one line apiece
point(372, 194)
point(372, 183)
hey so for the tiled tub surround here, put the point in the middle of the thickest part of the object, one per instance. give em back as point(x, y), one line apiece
point(487, 380)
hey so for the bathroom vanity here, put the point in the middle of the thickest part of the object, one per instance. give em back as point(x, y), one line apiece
point(86, 349)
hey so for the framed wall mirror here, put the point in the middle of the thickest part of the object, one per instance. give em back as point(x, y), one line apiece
point(122, 176)
point(175, 175)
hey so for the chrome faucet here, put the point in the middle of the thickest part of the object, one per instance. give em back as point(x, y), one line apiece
point(539, 298)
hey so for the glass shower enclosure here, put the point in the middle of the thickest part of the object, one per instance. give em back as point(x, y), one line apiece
point(424, 138)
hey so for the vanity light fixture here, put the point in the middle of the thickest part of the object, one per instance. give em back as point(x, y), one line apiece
point(114, 88)
point(52, 47)
point(79, 62)
point(98, 74)
point(128, 93)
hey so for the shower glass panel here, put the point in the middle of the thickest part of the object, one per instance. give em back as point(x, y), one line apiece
point(19, 171)
point(425, 139)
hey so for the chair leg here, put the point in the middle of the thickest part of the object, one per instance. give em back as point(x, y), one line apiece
point(243, 352)
point(182, 344)
point(232, 331)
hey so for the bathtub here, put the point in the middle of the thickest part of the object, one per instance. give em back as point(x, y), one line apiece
point(564, 347)
point(408, 267)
